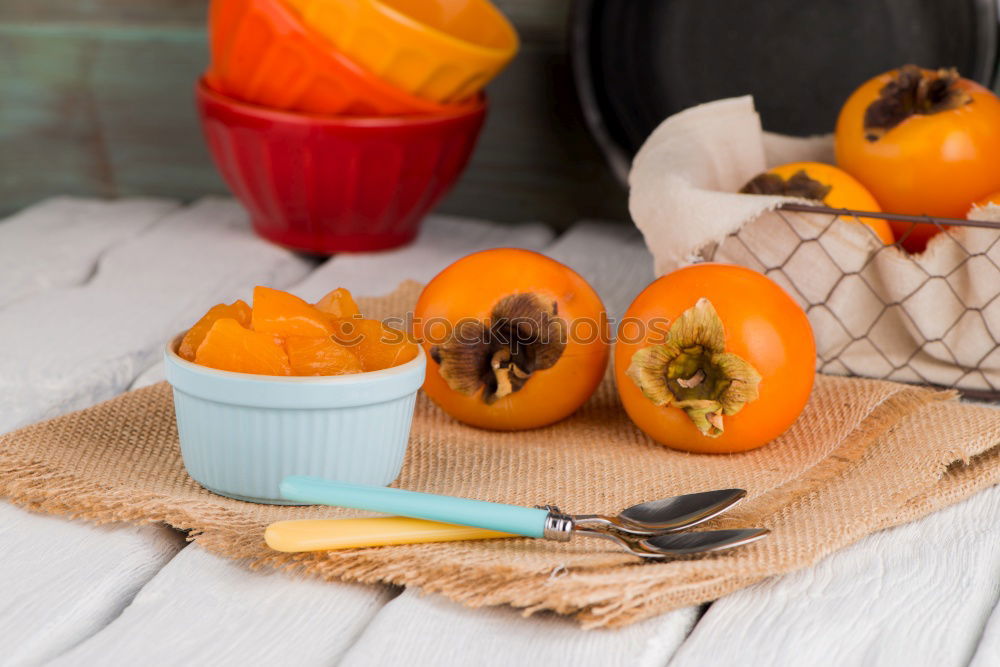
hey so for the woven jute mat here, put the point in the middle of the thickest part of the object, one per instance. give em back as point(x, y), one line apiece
point(865, 455)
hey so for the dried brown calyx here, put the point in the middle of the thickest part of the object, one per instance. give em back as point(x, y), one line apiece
point(799, 185)
point(692, 371)
point(522, 336)
point(913, 91)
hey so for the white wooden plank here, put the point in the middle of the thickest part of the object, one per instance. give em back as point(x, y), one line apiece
point(297, 622)
point(611, 257)
point(59, 242)
point(918, 594)
point(79, 338)
point(659, 643)
point(204, 610)
point(442, 240)
point(79, 345)
point(432, 631)
point(988, 650)
point(61, 580)
point(152, 375)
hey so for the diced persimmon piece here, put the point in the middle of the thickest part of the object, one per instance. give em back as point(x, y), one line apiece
point(284, 314)
point(237, 310)
point(320, 356)
point(339, 304)
point(377, 346)
point(229, 346)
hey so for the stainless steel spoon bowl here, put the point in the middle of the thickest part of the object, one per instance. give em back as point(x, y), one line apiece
point(665, 515)
point(676, 545)
point(685, 544)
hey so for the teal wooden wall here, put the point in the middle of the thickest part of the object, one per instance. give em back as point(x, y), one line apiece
point(95, 99)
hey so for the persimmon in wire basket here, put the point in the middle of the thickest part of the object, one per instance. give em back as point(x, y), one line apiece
point(714, 358)
point(822, 183)
point(924, 142)
point(516, 340)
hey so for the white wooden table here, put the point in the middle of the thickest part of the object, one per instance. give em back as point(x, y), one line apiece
point(89, 290)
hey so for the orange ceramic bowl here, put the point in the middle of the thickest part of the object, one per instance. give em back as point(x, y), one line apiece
point(264, 54)
point(440, 50)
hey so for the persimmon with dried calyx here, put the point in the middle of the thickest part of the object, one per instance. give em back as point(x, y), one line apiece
point(516, 340)
point(714, 358)
point(824, 184)
point(924, 142)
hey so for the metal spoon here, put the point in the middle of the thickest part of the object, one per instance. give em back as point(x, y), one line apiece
point(666, 515)
point(672, 514)
point(675, 545)
point(327, 534)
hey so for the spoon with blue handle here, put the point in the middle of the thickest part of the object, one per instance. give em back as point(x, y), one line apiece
point(643, 529)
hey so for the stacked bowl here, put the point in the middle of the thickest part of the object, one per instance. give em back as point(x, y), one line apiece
point(340, 123)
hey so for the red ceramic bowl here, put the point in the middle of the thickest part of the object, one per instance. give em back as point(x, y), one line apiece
point(264, 54)
point(326, 184)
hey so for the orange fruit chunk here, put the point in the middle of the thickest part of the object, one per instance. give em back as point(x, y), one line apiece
point(283, 314)
point(238, 310)
point(320, 356)
point(376, 345)
point(228, 346)
point(339, 304)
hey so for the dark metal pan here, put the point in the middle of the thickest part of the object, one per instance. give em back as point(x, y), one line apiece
point(637, 61)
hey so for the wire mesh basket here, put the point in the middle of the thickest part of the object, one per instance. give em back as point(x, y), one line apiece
point(877, 311)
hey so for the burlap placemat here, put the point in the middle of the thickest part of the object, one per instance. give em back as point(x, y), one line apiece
point(865, 455)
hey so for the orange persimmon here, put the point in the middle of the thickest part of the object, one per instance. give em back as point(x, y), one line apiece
point(283, 314)
point(824, 183)
point(339, 304)
point(229, 346)
point(312, 355)
point(377, 346)
point(924, 142)
point(989, 200)
point(237, 310)
point(714, 358)
point(516, 340)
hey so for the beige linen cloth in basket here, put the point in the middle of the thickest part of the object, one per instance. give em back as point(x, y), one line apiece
point(932, 318)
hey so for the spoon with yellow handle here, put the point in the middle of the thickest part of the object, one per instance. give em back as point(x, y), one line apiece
point(326, 534)
point(650, 530)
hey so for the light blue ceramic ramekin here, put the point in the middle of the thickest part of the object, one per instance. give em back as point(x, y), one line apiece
point(242, 434)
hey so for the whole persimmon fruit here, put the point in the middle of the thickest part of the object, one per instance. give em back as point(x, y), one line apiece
point(992, 199)
point(516, 340)
point(714, 358)
point(924, 142)
point(823, 183)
